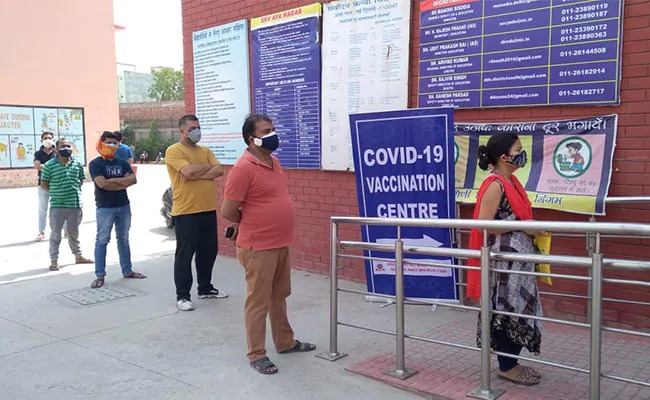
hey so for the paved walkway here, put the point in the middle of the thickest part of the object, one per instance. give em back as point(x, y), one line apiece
point(130, 342)
point(61, 340)
point(450, 373)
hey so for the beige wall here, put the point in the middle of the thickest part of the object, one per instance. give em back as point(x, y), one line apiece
point(60, 53)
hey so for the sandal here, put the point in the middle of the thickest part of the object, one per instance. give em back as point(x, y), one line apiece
point(523, 378)
point(264, 366)
point(532, 371)
point(299, 347)
point(135, 275)
point(97, 283)
point(83, 260)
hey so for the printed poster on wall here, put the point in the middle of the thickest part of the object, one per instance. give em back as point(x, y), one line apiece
point(16, 120)
point(22, 151)
point(16, 137)
point(221, 92)
point(569, 164)
point(4, 152)
point(488, 53)
point(46, 120)
point(365, 68)
point(70, 122)
point(21, 128)
point(78, 149)
point(286, 81)
point(407, 171)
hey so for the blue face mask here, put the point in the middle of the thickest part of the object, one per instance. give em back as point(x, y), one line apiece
point(520, 160)
point(270, 142)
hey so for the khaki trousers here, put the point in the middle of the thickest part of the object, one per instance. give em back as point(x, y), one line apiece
point(268, 280)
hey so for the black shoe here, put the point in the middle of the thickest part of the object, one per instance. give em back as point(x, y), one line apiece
point(214, 293)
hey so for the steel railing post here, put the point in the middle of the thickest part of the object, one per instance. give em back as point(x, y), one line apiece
point(591, 246)
point(461, 273)
point(596, 320)
point(333, 353)
point(400, 371)
point(485, 391)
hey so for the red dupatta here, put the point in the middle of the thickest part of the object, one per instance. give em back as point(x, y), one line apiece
point(521, 207)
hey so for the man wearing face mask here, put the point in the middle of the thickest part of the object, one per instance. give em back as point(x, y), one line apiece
point(258, 202)
point(112, 175)
point(192, 170)
point(123, 151)
point(43, 155)
point(62, 177)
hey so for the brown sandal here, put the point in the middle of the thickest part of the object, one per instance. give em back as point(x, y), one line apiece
point(523, 378)
point(83, 260)
point(135, 275)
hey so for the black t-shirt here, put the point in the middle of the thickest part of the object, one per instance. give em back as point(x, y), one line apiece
point(115, 168)
point(43, 157)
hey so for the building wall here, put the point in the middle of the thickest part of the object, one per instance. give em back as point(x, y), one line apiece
point(134, 87)
point(164, 113)
point(319, 194)
point(59, 53)
point(121, 89)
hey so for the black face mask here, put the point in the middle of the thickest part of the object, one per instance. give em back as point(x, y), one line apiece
point(270, 142)
point(65, 152)
point(520, 159)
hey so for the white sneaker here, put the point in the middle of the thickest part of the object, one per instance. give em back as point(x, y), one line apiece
point(184, 305)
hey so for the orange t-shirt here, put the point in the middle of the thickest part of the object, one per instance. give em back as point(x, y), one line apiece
point(267, 214)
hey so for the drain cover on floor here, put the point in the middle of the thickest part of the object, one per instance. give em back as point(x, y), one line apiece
point(89, 296)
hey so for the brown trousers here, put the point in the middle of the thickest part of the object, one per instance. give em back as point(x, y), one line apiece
point(268, 280)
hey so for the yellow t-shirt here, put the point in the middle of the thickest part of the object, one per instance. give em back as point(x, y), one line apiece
point(190, 196)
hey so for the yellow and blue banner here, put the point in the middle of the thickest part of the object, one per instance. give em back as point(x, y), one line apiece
point(570, 161)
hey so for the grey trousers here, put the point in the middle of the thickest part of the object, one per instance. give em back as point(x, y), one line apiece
point(71, 217)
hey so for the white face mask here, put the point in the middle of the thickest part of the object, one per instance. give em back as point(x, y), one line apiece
point(48, 143)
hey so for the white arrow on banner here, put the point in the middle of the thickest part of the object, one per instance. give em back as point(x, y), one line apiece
point(426, 241)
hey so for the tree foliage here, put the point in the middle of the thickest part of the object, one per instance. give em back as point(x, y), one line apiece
point(128, 133)
point(153, 144)
point(167, 85)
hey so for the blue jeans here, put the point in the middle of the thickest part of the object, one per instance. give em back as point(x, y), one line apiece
point(106, 218)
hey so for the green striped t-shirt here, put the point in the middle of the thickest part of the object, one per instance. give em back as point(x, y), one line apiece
point(65, 182)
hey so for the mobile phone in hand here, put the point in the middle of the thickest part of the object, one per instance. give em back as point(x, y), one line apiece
point(230, 231)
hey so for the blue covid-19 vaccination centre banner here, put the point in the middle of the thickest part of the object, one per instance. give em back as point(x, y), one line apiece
point(404, 166)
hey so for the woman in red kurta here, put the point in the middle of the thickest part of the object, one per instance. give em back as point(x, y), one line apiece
point(502, 197)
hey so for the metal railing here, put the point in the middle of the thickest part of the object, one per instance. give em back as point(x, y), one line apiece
point(589, 244)
point(595, 262)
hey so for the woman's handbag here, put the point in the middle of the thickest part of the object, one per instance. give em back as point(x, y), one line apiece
point(543, 244)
